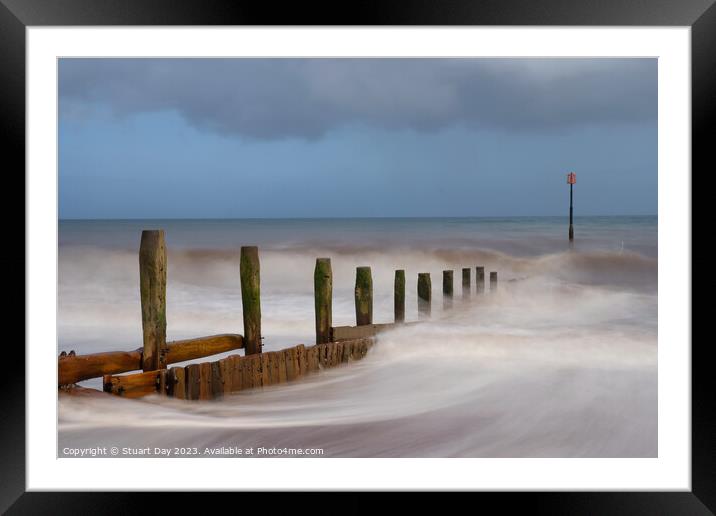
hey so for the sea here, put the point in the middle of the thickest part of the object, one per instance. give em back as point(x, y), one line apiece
point(559, 361)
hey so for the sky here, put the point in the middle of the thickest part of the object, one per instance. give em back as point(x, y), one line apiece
point(265, 138)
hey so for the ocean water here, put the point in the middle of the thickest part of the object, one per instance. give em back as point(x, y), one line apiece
point(561, 361)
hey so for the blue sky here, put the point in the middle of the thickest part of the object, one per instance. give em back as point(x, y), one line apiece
point(233, 138)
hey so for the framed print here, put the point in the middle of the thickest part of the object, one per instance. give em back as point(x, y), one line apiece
point(434, 250)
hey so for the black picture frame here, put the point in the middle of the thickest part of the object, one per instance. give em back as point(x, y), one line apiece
point(16, 15)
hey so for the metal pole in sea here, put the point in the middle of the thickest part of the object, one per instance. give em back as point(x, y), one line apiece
point(571, 179)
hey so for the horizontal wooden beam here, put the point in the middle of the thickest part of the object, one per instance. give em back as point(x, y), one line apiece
point(132, 385)
point(190, 349)
point(339, 333)
point(76, 368)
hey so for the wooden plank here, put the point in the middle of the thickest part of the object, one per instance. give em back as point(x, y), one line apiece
point(282, 376)
point(356, 354)
point(322, 354)
point(265, 370)
point(224, 365)
point(272, 357)
point(217, 380)
point(360, 348)
point(302, 360)
point(330, 348)
point(331, 354)
point(360, 332)
point(339, 353)
point(205, 381)
point(289, 358)
point(248, 371)
point(242, 366)
point(76, 368)
point(132, 385)
point(236, 379)
point(192, 374)
point(357, 332)
point(312, 359)
point(191, 349)
point(332, 351)
point(294, 362)
point(347, 350)
point(176, 387)
point(253, 364)
point(256, 372)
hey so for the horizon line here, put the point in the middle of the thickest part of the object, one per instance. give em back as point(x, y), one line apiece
point(359, 217)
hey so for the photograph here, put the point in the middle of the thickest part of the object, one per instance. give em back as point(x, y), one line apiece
point(357, 257)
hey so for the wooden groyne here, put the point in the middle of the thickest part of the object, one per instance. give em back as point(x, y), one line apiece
point(334, 346)
point(76, 368)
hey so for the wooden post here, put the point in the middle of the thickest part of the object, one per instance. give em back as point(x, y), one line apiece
point(364, 296)
point(571, 179)
point(251, 298)
point(153, 294)
point(447, 289)
point(493, 282)
point(424, 294)
point(479, 280)
point(323, 294)
point(571, 210)
point(466, 283)
point(399, 296)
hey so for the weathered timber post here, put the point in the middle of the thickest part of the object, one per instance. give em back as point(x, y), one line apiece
point(323, 294)
point(364, 296)
point(493, 282)
point(424, 294)
point(153, 294)
point(479, 280)
point(399, 296)
point(447, 289)
point(251, 298)
point(466, 283)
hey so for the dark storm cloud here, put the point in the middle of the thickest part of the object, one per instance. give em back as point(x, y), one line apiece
point(305, 98)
